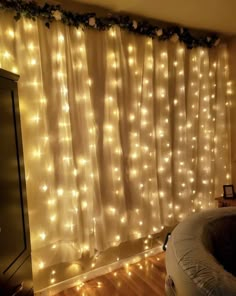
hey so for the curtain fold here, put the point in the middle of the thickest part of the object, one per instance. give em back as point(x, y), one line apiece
point(123, 135)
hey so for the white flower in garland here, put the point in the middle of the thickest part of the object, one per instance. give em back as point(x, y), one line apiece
point(135, 24)
point(217, 42)
point(57, 15)
point(92, 21)
point(159, 32)
point(174, 38)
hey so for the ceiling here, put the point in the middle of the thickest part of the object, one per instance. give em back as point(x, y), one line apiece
point(214, 15)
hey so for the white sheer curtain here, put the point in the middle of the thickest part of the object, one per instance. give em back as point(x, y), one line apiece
point(122, 134)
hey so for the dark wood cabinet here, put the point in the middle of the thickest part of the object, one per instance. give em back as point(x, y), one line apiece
point(15, 258)
point(225, 202)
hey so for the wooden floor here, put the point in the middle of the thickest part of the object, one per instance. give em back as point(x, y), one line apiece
point(146, 278)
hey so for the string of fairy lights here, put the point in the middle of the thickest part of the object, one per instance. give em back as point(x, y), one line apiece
point(155, 157)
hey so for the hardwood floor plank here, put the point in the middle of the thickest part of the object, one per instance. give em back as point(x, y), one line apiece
point(151, 285)
point(121, 285)
point(146, 277)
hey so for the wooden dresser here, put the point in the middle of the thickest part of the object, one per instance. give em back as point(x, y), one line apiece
point(15, 253)
point(223, 202)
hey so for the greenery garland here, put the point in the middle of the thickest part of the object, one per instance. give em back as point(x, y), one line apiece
point(50, 13)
